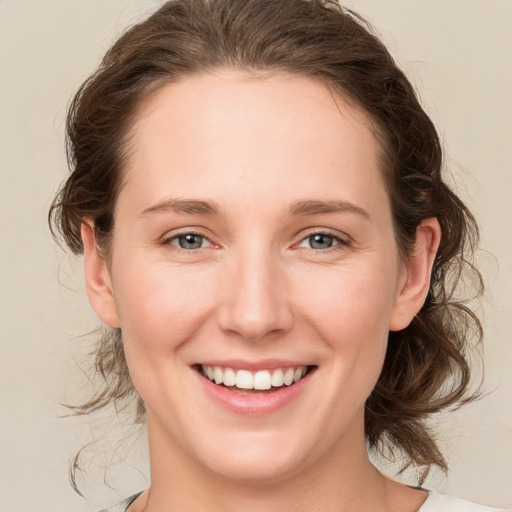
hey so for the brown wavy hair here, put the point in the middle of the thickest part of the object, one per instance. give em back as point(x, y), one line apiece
point(426, 369)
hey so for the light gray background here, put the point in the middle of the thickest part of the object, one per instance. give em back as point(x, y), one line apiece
point(458, 52)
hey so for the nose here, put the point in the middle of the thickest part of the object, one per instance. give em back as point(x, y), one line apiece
point(255, 301)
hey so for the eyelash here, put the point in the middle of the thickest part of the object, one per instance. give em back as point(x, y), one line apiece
point(168, 241)
point(341, 241)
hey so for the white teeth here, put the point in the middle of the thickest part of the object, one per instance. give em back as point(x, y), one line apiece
point(277, 378)
point(260, 380)
point(217, 374)
point(288, 376)
point(244, 379)
point(229, 377)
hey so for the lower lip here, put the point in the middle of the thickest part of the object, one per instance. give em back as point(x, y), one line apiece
point(254, 404)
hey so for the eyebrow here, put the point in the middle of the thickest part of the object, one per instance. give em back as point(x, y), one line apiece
point(298, 208)
point(183, 206)
point(312, 207)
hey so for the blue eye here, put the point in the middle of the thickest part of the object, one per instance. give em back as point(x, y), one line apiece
point(321, 240)
point(188, 241)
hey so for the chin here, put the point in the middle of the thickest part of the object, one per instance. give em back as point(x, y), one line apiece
point(254, 461)
point(256, 472)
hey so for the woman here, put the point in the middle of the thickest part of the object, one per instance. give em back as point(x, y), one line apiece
point(258, 197)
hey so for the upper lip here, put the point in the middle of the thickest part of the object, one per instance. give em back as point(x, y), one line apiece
point(262, 364)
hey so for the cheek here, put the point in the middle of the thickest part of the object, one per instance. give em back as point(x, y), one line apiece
point(162, 306)
point(350, 301)
point(351, 315)
point(160, 309)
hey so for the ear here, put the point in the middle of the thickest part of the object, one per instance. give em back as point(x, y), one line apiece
point(97, 277)
point(415, 283)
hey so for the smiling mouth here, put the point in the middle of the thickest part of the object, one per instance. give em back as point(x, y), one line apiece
point(259, 382)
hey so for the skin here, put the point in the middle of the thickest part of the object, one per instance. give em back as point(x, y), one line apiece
point(257, 288)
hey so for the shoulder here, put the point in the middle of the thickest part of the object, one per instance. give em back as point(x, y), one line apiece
point(121, 507)
point(438, 503)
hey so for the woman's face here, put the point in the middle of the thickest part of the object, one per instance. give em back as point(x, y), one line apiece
point(253, 233)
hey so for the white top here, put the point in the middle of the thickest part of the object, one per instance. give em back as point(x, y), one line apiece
point(434, 503)
point(439, 503)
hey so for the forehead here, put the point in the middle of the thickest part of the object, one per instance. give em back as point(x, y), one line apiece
point(296, 106)
point(249, 132)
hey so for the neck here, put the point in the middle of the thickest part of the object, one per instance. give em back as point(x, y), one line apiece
point(343, 479)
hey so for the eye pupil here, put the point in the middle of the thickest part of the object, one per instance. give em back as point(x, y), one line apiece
point(320, 241)
point(190, 241)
